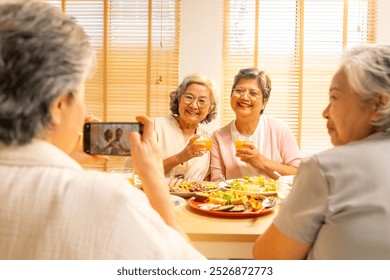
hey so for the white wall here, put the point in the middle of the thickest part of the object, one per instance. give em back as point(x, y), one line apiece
point(201, 32)
point(383, 35)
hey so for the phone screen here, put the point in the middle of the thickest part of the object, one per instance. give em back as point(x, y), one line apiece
point(109, 138)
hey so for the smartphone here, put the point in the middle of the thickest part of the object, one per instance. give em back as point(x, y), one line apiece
point(109, 138)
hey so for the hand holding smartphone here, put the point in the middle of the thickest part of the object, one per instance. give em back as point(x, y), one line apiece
point(109, 138)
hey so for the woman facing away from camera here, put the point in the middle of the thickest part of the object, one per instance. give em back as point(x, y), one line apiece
point(50, 208)
point(340, 206)
point(192, 104)
point(270, 146)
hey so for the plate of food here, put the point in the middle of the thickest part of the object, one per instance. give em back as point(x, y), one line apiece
point(232, 203)
point(251, 185)
point(188, 189)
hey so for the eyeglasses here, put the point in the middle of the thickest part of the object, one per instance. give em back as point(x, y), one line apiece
point(252, 93)
point(202, 102)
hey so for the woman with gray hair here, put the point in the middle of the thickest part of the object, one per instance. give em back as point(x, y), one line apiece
point(269, 145)
point(192, 104)
point(340, 206)
point(50, 208)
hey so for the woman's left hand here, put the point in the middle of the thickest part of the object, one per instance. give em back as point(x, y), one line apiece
point(79, 155)
point(252, 156)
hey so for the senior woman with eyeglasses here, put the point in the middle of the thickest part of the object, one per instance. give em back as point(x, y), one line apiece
point(192, 104)
point(272, 146)
point(340, 207)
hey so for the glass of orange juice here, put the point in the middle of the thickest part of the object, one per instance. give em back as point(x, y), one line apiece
point(242, 141)
point(125, 172)
point(206, 139)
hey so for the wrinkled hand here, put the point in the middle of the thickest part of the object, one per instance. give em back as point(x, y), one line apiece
point(148, 164)
point(78, 153)
point(193, 149)
point(251, 155)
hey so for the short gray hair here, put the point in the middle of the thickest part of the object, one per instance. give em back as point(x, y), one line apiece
point(44, 54)
point(262, 78)
point(196, 78)
point(367, 68)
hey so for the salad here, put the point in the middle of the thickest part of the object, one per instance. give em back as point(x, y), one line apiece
point(255, 184)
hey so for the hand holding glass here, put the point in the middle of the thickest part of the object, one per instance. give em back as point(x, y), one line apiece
point(242, 141)
point(205, 139)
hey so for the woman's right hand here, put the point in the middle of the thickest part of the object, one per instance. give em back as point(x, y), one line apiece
point(146, 155)
point(148, 164)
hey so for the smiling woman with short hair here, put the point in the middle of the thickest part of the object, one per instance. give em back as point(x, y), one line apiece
point(192, 104)
point(273, 146)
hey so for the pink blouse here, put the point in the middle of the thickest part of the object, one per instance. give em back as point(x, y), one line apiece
point(279, 145)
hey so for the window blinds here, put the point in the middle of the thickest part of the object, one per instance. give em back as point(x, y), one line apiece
point(137, 50)
point(299, 44)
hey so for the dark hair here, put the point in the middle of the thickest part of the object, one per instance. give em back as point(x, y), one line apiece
point(43, 54)
point(106, 132)
point(262, 78)
point(196, 78)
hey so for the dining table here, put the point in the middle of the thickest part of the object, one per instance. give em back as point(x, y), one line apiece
point(218, 237)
